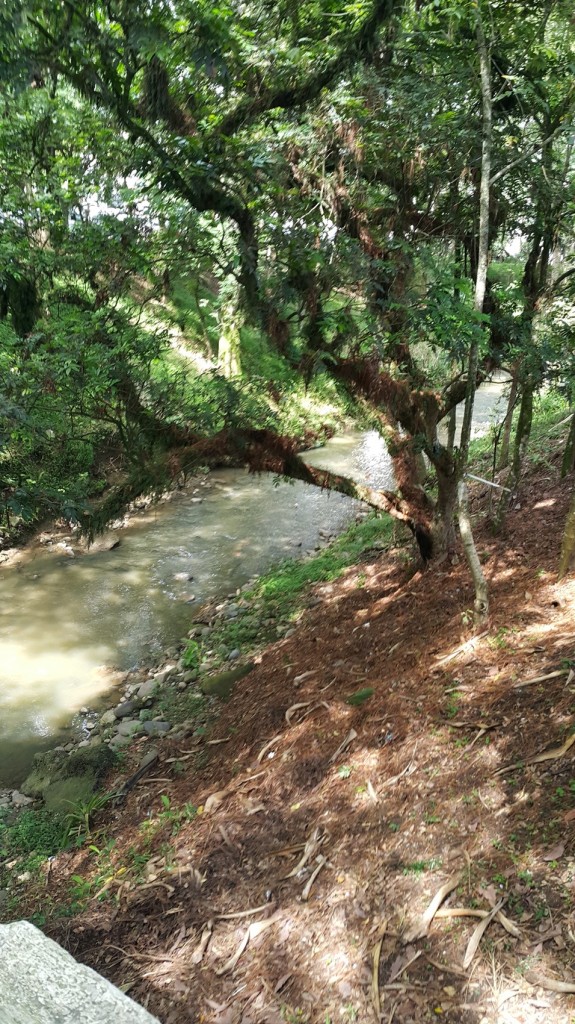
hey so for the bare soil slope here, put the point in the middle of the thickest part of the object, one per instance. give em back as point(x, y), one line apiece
point(299, 891)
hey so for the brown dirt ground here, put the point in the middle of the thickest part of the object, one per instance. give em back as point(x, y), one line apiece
point(412, 802)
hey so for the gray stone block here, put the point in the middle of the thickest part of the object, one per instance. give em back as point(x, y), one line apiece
point(40, 983)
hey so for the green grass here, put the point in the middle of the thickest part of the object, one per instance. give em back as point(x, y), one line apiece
point(549, 410)
point(291, 577)
point(278, 597)
point(39, 832)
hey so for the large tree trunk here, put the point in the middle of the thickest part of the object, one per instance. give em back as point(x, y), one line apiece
point(445, 540)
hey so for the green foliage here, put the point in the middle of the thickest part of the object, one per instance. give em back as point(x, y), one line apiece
point(191, 656)
point(33, 831)
point(80, 817)
point(360, 696)
point(291, 577)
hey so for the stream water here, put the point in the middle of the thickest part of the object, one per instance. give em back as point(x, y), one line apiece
point(70, 625)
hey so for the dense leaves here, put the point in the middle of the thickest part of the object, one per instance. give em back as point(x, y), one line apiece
point(290, 192)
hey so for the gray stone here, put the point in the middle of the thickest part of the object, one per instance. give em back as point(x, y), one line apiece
point(129, 727)
point(127, 708)
point(108, 718)
point(116, 743)
point(234, 654)
point(107, 542)
point(156, 728)
point(19, 800)
point(148, 689)
point(42, 984)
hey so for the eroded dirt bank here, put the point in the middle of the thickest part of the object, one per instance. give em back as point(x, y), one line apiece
point(324, 829)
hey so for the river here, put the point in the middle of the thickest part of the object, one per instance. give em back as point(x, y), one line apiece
point(70, 626)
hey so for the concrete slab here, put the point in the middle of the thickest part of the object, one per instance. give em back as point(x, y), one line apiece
point(40, 983)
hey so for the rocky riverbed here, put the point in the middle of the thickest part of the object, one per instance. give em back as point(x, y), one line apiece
point(170, 698)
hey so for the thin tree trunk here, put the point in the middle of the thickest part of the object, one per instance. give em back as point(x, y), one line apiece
point(451, 428)
point(229, 342)
point(568, 463)
point(503, 460)
point(481, 604)
point(523, 432)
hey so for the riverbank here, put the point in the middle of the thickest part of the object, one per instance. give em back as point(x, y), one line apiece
point(271, 865)
point(176, 695)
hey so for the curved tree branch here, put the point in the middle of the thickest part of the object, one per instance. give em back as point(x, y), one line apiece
point(288, 97)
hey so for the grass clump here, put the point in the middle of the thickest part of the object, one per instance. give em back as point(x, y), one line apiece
point(33, 831)
point(277, 598)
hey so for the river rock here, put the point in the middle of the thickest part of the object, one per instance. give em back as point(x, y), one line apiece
point(107, 542)
point(156, 728)
point(19, 800)
point(127, 708)
point(52, 766)
point(60, 795)
point(233, 655)
point(148, 689)
point(118, 741)
point(129, 727)
point(108, 718)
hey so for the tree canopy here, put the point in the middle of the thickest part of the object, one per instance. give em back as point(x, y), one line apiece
point(373, 198)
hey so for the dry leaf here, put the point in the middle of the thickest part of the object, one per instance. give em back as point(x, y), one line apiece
point(555, 852)
point(478, 934)
point(214, 801)
point(421, 927)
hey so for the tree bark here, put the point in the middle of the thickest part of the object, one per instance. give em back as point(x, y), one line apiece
point(503, 460)
point(447, 495)
point(481, 605)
